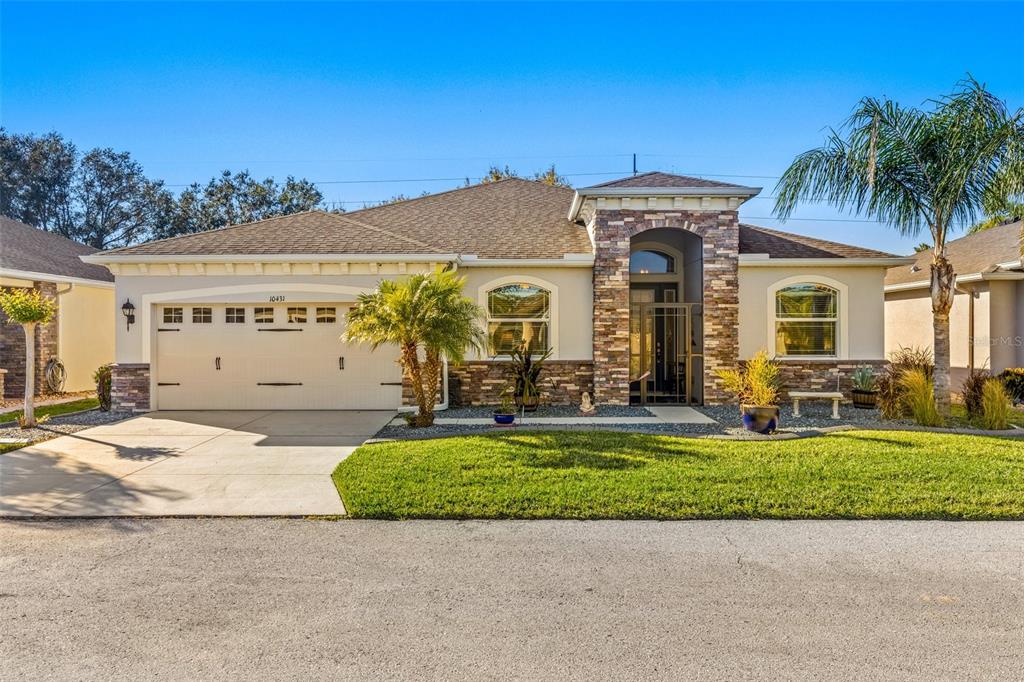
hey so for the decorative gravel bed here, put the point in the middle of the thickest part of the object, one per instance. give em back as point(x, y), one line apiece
point(63, 425)
point(815, 417)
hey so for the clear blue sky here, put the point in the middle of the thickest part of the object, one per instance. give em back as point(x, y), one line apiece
point(339, 92)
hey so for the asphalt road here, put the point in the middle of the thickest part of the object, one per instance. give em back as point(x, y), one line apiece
point(291, 599)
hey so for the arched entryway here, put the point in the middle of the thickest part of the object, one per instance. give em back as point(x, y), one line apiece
point(666, 335)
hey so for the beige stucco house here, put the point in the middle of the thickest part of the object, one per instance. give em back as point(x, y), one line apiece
point(642, 288)
point(987, 319)
point(81, 335)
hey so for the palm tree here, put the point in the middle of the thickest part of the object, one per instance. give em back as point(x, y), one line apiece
point(428, 318)
point(29, 308)
point(916, 170)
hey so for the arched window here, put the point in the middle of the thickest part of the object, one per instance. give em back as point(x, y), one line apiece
point(518, 313)
point(806, 320)
point(651, 262)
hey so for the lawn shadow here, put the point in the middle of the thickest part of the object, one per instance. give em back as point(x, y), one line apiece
point(570, 449)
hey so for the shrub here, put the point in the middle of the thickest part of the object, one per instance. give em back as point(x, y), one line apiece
point(1013, 379)
point(918, 395)
point(102, 378)
point(971, 391)
point(995, 405)
point(756, 383)
point(891, 402)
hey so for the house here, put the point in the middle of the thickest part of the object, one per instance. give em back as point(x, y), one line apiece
point(986, 324)
point(643, 289)
point(81, 334)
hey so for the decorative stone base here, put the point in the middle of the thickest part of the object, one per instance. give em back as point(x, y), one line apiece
point(3, 375)
point(823, 375)
point(562, 382)
point(129, 387)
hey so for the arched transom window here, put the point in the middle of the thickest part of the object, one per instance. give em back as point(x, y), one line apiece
point(518, 313)
point(651, 262)
point(806, 320)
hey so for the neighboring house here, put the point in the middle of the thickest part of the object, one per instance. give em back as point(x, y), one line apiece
point(987, 319)
point(643, 289)
point(81, 334)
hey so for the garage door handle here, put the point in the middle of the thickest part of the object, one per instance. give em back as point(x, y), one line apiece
point(391, 383)
point(341, 362)
point(217, 362)
point(278, 383)
point(168, 383)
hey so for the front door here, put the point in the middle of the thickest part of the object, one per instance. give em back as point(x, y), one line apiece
point(665, 362)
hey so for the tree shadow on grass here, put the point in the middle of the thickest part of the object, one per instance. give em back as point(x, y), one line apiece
point(593, 450)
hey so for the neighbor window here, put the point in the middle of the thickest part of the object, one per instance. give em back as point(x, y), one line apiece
point(806, 318)
point(263, 315)
point(296, 316)
point(326, 315)
point(234, 315)
point(202, 315)
point(518, 314)
point(651, 263)
point(173, 315)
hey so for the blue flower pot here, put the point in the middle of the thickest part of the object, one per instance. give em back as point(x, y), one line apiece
point(764, 420)
point(504, 419)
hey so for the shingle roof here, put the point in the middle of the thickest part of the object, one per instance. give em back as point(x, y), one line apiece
point(510, 218)
point(659, 179)
point(777, 244)
point(978, 252)
point(23, 247)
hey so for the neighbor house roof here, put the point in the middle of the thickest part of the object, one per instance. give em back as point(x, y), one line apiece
point(665, 180)
point(511, 218)
point(25, 249)
point(778, 244)
point(976, 253)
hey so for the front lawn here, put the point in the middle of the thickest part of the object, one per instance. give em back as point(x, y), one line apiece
point(54, 410)
point(604, 475)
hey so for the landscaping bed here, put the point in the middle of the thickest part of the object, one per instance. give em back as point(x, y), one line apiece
point(56, 426)
point(606, 475)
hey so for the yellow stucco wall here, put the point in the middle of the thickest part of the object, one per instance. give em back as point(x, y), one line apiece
point(86, 333)
point(862, 308)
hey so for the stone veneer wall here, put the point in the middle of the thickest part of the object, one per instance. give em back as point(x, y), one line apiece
point(821, 375)
point(129, 387)
point(612, 230)
point(12, 348)
point(563, 382)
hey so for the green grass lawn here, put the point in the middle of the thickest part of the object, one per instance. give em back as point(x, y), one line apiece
point(604, 475)
point(54, 410)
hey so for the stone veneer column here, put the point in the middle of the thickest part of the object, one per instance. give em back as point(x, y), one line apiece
point(47, 337)
point(612, 230)
point(129, 387)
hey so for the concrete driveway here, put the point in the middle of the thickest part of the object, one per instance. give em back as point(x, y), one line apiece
point(231, 463)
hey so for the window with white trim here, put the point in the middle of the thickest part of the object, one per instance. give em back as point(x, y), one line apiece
point(518, 313)
point(173, 316)
point(202, 315)
point(326, 315)
point(263, 315)
point(297, 315)
point(234, 315)
point(806, 320)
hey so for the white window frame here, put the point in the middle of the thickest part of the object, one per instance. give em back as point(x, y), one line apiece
point(175, 311)
point(233, 308)
point(552, 319)
point(262, 308)
point(841, 319)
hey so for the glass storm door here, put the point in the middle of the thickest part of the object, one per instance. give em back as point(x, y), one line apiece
point(665, 364)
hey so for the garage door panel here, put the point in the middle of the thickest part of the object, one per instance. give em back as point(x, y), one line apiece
point(308, 369)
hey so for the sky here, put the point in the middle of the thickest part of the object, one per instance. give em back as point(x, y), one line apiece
point(373, 100)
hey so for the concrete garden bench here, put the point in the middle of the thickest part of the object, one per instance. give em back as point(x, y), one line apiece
point(834, 396)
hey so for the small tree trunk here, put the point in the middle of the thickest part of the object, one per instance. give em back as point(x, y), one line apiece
point(29, 419)
point(411, 361)
point(943, 280)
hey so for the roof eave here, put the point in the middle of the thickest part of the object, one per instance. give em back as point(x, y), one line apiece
point(668, 191)
point(971, 278)
point(57, 279)
point(762, 260)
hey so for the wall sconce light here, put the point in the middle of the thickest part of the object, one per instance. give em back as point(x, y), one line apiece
point(129, 313)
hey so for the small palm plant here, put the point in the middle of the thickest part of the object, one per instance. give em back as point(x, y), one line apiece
point(29, 308)
point(429, 319)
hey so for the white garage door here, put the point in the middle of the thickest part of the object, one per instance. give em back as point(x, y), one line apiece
point(268, 357)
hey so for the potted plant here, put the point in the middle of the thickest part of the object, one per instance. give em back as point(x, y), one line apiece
point(756, 385)
point(524, 375)
point(865, 395)
point(505, 414)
